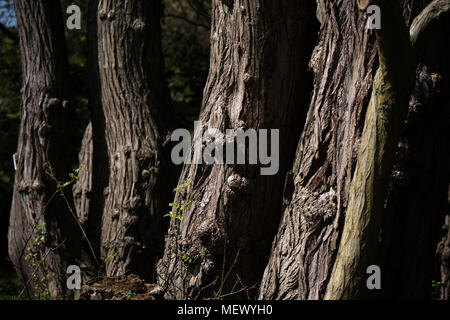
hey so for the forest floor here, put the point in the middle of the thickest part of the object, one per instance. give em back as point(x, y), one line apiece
point(127, 287)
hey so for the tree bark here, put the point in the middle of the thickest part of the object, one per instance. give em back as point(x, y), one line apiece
point(258, 79)
point(304, 248)
point(344, 64)
point(386, 113)
point(363, 233)
point(134, 118)
point(418, 193)
point(43, 234)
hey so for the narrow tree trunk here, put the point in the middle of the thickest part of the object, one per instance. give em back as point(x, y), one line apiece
point(135, 116)
point(43, 234)
point(258, 79)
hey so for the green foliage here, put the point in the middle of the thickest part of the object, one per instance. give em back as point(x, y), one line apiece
point(126, 295)
point(112, 253)
point(73, 177)
point(185, 45)
point(436, 289)
point(60, 185)
point(187, 259)
point(34, 259)
point(182, 186)
point(177, 211)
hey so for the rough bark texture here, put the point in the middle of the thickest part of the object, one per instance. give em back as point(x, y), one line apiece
point(44, 147)
point(83, 187)
point(343, 64)
point(135, 109)
point(385, 116)
point(258, 79)
point(352, 185)
point(363, 234)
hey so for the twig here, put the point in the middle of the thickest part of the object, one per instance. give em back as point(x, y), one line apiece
point(236, 292)
point(37, 267)
point(79, 225)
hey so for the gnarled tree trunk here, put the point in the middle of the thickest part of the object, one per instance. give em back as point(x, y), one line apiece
point(418, 192)
point(258, 80)
point(305, 246)
point(43, 234)
point(130, 119)
point(304, 251)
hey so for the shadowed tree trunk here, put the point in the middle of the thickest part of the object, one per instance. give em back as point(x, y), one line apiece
point(388, 109)
point(418, 193)
point(385, 116)
point(134, 116)
point(343, 63)
point(43, 234)
point(305, 248)
point(258, 79)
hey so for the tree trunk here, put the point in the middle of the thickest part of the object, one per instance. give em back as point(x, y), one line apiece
point(418, 193)
point(258, 79)
point(363, 236)
point(130, 129)
point(385, 116)
point(305, 248)
point(43, 234)
point(303, 271)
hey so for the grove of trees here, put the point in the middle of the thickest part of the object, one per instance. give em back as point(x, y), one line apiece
point(364, 147)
